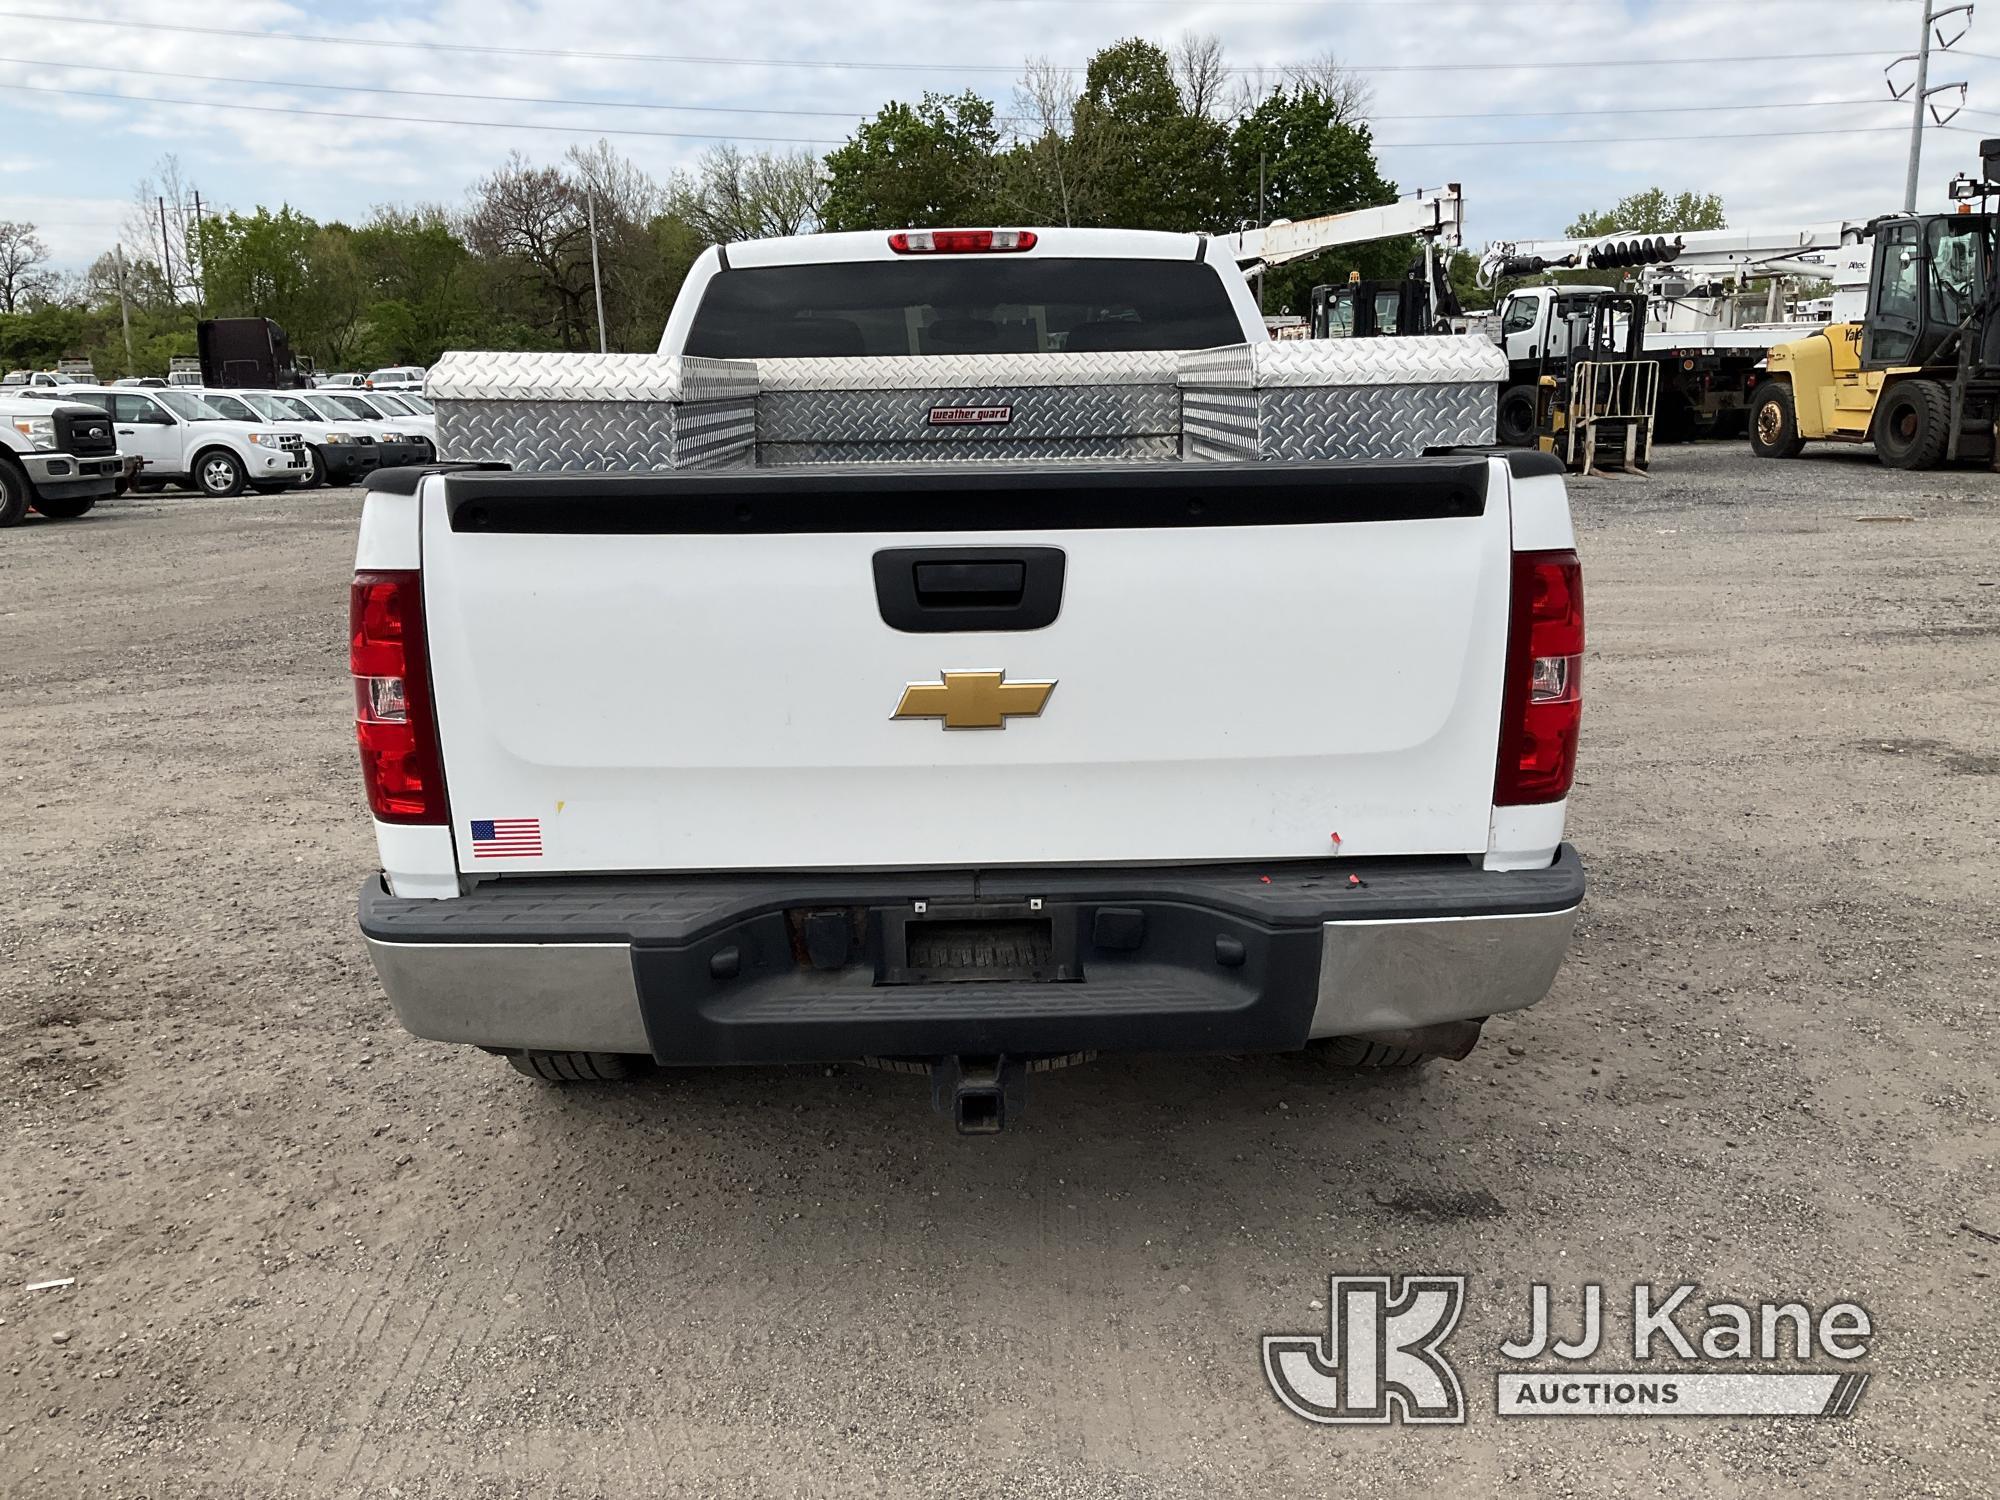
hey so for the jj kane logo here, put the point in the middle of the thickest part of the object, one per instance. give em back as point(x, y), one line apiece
point(1382, 1357)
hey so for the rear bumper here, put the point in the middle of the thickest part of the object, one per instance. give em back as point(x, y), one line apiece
point(731, 969)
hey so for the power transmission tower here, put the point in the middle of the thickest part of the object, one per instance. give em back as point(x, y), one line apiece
point(1919, 93)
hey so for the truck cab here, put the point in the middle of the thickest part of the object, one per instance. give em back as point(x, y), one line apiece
point(57, 457)
point(1919, 375)
point(1538, 323)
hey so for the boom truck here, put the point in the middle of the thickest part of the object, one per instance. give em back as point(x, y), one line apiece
point(1918, 374)
point(1710, 348)
point(902, 665)
point(1421, 302)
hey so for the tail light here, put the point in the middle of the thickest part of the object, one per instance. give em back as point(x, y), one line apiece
point(960, 241)
point(1542, 705)
point(392, 698)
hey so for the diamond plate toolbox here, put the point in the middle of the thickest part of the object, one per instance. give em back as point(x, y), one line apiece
point(1340, 398)
point(977, 408)
point(1302, 399)
point(598, 413)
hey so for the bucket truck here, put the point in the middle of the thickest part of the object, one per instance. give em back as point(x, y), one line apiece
point(1711, 355)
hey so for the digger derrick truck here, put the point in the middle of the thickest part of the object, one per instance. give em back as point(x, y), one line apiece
point(1709, 347)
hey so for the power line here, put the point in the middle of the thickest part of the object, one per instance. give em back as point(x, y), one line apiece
point(351, 114)
point(543, 53)
point(363, 88)
point(852, 114)
point(337, 114)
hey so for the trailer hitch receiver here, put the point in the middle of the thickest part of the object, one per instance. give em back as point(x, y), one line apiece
point(981, 1095)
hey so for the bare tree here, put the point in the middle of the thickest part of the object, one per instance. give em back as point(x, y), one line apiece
point(22, 254)
point(1055, 151)
point(176, 246)
point(1351, 94)
point(58, 289)
point(1201, 74)
point(623, 190)
point(735, 196)
point(531, 219)
point(145, 287)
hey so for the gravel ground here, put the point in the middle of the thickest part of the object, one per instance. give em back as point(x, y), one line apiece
point(313, 1256)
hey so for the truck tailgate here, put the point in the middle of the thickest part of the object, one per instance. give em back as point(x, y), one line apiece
point(841, 668)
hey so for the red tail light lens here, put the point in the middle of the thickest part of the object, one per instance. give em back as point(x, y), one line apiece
point(392, 698)
point(1542, 706)
point(960, 241)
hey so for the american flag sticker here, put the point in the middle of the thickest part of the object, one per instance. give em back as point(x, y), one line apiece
point(507, 838)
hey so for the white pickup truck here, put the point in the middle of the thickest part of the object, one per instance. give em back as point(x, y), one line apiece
point(59, 457)
point(970, 651)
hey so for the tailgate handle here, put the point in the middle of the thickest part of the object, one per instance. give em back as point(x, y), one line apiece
point(927, 590)
point(961, 585)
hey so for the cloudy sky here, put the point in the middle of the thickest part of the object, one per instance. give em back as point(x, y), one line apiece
point(1539, 107)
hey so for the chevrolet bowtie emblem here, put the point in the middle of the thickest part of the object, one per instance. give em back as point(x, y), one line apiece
point(973, 700)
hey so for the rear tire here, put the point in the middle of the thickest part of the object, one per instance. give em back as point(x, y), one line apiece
point(65, 508)
point(572, 1067)
point(13, 495)
point(1774, 423)
point(1515, 420)
point(148, 486)
point(1913, 425)
point(1358, 1052)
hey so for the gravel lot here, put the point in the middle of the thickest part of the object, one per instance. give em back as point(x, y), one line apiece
point(313, 1256)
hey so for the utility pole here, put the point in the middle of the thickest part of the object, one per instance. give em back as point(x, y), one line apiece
point(1919, 94)
point(596, 280)
point(166, 255)
point(124, 309)
point(195, 273)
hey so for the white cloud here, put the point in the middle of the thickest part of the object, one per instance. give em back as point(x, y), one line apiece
point(1540, 60)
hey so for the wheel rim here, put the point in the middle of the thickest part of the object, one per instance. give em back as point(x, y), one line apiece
point(312, 467)
point(1903, 422)
point(217, 475)
point(1770, 423)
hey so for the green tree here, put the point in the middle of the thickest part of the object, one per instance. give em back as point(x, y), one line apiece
point(1155, 164)
point(419, 281)
point(1654, 211)
point(284, 266)
point(916, 165)
point(1313, 163)
point(1463, 271)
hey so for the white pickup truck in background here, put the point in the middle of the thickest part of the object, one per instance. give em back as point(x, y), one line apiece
point(58, 457)
point(971, 650)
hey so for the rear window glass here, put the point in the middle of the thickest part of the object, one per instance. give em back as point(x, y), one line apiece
point(984, 305)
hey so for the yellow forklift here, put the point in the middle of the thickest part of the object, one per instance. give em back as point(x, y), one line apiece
point(1919, 376)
